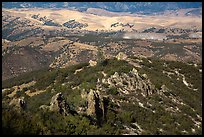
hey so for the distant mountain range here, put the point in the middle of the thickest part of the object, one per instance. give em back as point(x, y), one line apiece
point(143, 7)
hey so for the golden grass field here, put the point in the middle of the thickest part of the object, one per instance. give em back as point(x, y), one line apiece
point(96, 22)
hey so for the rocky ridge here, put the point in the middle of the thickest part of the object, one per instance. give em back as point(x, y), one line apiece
point(130, 100)
point(131, 82)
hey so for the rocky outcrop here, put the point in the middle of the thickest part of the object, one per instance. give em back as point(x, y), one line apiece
point(92, 96)
point(97, 106)
point(131, 82)
point(20, 103)
point(94, 103)
point(58, 104)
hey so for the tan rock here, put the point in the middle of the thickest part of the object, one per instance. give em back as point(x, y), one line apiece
point(92, 63)
point(121, 56)
point(95, 106)
point(131, 82)
point(91, 103)
point(59, 104)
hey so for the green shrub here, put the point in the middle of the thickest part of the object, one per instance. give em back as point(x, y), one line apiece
point(87, 85)
point(113, 91)
point(24, 89)
point(126, 117)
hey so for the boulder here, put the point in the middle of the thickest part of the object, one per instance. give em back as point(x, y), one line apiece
point(121, 56)
point(92, 63)
point(104, 74)
point(134, 72)
point(144, 76)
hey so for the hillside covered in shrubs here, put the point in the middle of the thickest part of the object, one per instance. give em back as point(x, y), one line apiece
point(136, 96)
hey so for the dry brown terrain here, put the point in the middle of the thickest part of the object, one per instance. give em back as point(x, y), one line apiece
point(36, 38)
point(96, 22)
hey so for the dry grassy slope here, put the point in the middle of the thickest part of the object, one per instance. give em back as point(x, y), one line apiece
point(23, 60)
point(55, 46)
point(75, 53)
point(33, 53)
point(104, 22)
point(183, 12)
point(29, 60)
point(32, 41)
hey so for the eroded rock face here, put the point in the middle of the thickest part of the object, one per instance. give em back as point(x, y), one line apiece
point(96, 106)
point(94, 102)
point(58, 104)
point(131, 82)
